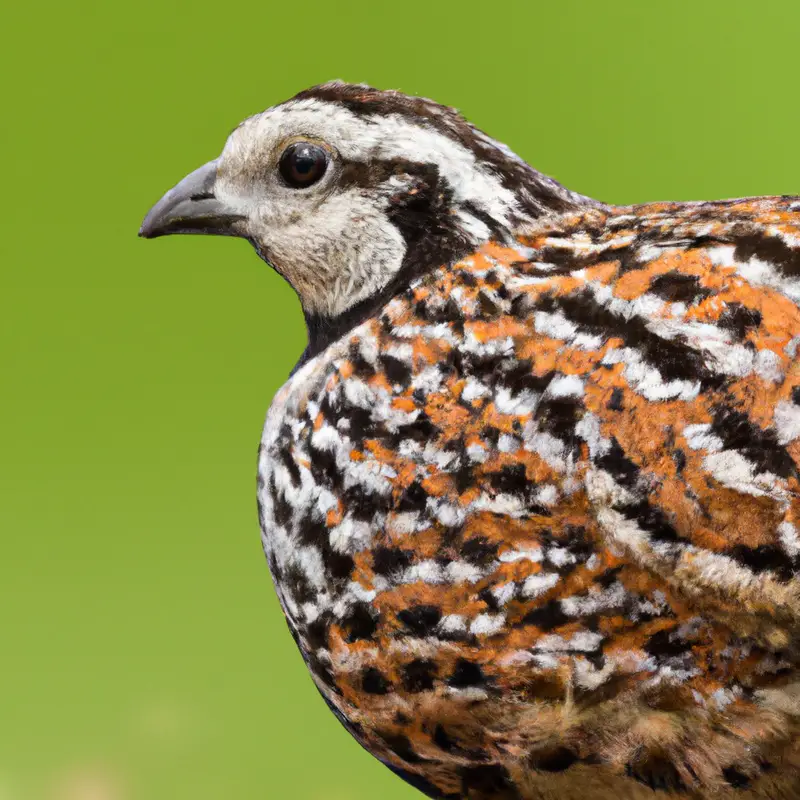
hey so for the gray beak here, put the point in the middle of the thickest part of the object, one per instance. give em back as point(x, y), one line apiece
point(192, 207)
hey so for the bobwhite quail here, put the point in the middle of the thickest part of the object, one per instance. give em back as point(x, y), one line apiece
point(530, 498)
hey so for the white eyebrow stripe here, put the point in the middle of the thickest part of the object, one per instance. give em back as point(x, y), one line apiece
point(389, 137)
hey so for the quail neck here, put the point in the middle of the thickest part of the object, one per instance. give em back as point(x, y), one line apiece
point(350, 193)
point(531, 504)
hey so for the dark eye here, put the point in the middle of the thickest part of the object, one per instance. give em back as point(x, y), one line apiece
point(303, 164)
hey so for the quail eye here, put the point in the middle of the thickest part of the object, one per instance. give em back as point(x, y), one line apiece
point(303, 164)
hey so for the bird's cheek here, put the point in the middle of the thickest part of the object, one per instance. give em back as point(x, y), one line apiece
point(273, 214)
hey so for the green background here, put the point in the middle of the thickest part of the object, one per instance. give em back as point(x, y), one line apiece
point(142, 651)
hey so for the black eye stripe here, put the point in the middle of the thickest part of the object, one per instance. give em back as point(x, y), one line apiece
point(303, 164)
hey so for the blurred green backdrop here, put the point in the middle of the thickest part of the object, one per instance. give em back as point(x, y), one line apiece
point(142, 651)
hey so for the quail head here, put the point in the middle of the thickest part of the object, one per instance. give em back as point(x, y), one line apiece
point(530, 496)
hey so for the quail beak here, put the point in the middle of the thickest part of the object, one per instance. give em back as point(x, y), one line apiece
point(192, 207)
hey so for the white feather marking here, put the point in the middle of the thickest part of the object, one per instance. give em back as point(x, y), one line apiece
point(699, 437)
point(427, 571)
point(588, 428)
point(789, 538)
point(565, 386)
point(463, 572)
point(477, 453)
point(473, 389)
point(350, 535)
point(768, 366)
point(452, 623)
point(787, 421)
point(487, 624)
point(554, 326)
point(503, 593)
point(534, 554)
point(508, 444)
point(733, 470)
point(538, 584)
point(515, 404)
point(546, 495)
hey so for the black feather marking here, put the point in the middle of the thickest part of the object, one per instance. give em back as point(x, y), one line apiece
point(739, 319)
point(373, 682)
point(673, 358)
point(758, 446)
point(466, 673)
point(419, 675)
point(677, 287)
point(420, 620)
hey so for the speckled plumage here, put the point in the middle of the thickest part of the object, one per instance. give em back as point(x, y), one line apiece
point(533, 518)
